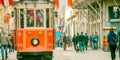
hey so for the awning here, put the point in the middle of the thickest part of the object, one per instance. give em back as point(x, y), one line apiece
point(108, 28)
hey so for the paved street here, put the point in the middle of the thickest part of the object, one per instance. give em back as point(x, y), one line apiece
point(70, 54)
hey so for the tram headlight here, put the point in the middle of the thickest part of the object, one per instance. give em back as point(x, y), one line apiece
point(35, 41)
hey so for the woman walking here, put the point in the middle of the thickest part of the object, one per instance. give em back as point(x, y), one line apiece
point(112, 43)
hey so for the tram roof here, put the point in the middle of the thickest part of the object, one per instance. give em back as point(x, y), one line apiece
point(33, 1)
point(37, 3)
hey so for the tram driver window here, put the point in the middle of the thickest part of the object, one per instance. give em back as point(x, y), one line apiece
point(21, 18)
point(30, 18)
point(47, 18)
point(39, 18)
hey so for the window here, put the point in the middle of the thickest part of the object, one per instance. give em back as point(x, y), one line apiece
point(114, 12)
point(47, 18)
point(40, 18)
point(30, 18)
point(21, 18)
point(12, 14)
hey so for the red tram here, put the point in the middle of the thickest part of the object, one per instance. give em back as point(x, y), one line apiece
point(34, 34)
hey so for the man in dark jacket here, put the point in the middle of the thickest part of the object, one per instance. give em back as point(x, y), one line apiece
point(86, 41)
point(81, 42)
point(74, 41)
point(112, 43)
point(4, 45)
point(77, 38)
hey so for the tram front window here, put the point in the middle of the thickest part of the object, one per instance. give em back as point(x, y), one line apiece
point(39, 18)
point(30, 18)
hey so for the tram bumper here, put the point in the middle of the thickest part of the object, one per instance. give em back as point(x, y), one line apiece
point(22, 55)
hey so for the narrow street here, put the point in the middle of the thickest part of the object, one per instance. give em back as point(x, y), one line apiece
point(70, 54)
point(35, 27)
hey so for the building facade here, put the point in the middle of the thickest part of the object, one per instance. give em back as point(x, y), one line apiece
point(95, 15)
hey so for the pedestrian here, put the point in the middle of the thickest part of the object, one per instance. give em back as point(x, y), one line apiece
point(68, 40)
point(74, 41)
point(92, 39)
point(64, 42)
point(112, 43)
point(77, 38)
point(96, 40)
point(10, 43)
point(4, 45)
point(58, 42)
point(86, 41)
point(118, 37)
point(81, 42)
point(61, 41)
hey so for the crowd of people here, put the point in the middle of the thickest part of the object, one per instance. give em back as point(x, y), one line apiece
point(7, 45)
point(81, 42)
